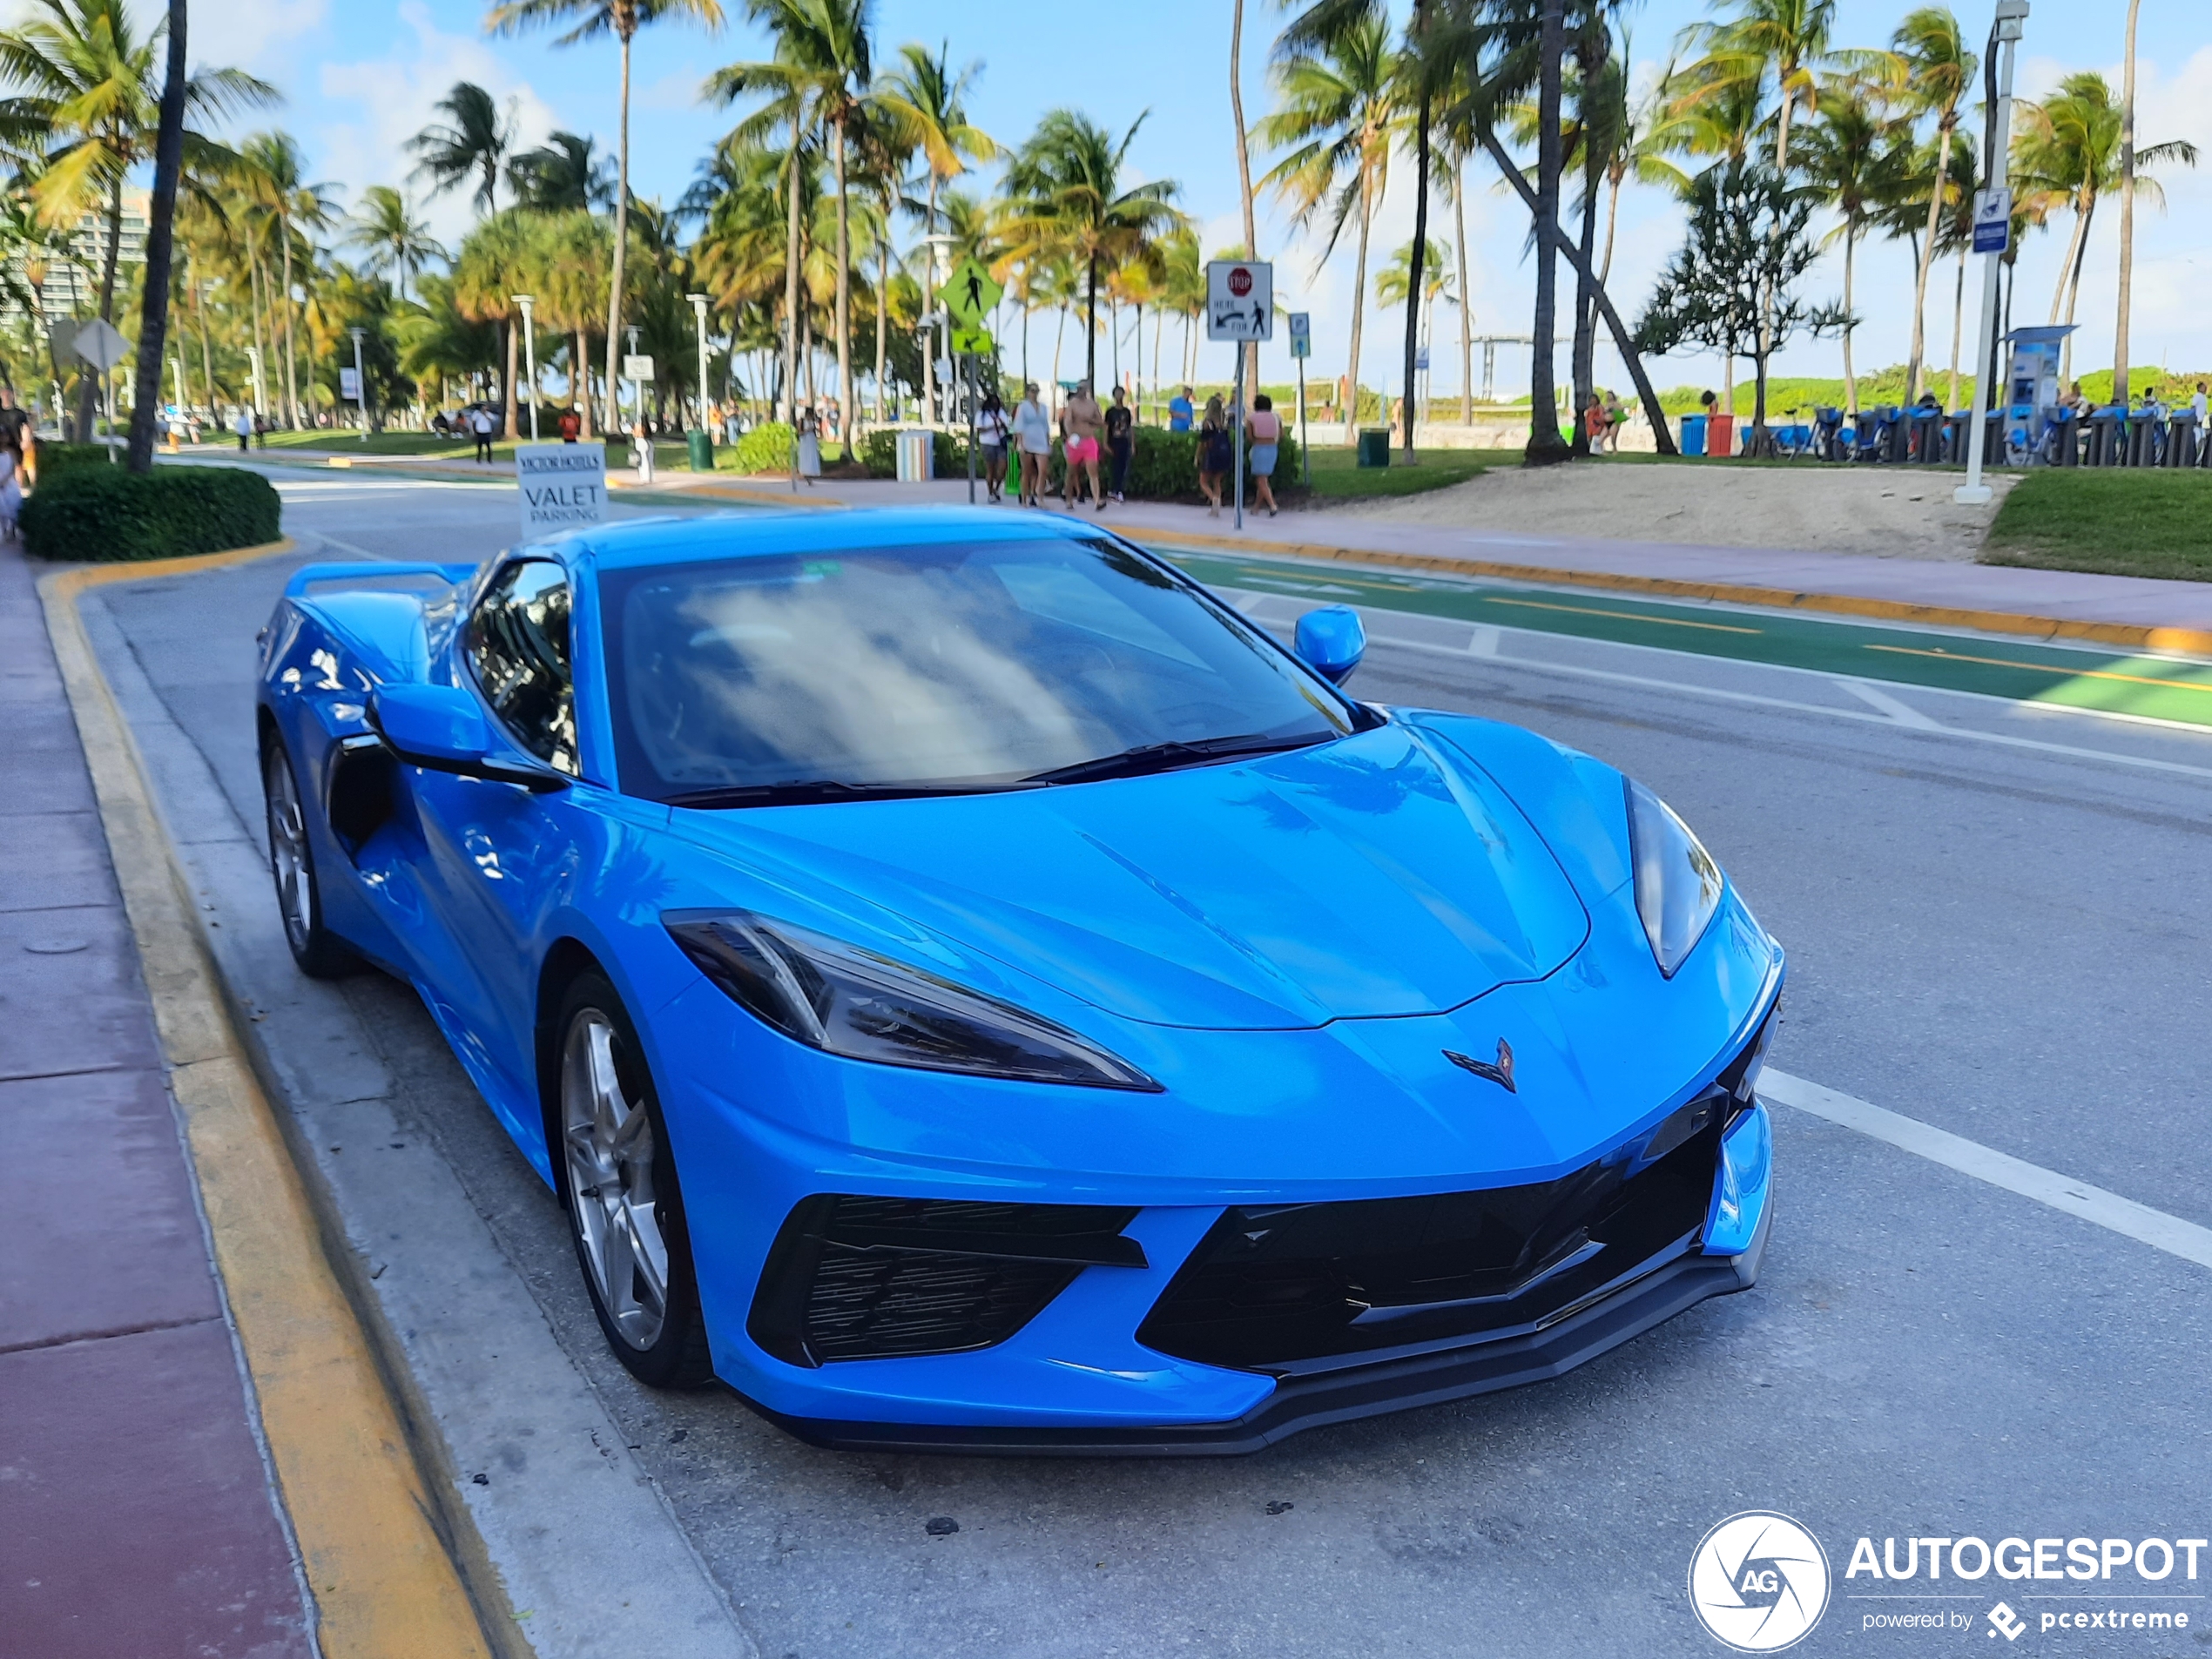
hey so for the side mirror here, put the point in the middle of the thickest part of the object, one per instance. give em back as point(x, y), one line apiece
point(1331, 642)
point(442, 728)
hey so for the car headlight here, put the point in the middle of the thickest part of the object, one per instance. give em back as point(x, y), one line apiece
point(1678, 885)
point(846, 1000)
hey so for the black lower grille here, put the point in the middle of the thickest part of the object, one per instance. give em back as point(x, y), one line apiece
point(855, 1277)
point(1280, 1287)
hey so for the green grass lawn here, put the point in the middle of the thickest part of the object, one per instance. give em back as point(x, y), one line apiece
point(2116, 522)
point(1336, 475)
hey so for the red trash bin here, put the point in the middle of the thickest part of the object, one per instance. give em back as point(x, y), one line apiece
point(1720, 436)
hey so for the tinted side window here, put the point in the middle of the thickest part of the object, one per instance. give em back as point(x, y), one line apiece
point(518, 645)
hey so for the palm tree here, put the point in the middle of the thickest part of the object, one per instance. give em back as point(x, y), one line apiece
point(2127, 210)
point(394, 241)
point(273, 167)
point(168, 167)
point(470, 144)
point(87, 93)
point(623, 19)
point(2068, 148)
point(1395, 280)
point(1939, 72)
point(1065, 192)
point(1336, 114)
point(561, 176)
point(925, 105)
point(1849, 155)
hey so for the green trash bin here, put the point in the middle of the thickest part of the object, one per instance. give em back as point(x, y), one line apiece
point(702, 452)
point(1374, 447)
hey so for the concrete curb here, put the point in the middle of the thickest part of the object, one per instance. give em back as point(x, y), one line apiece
point(571, 1545)
point(379, 1564)
point(2193, 642)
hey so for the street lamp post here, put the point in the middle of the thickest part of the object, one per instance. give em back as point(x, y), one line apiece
point(530, 355)
point(2004, 36)
point(698, 316)
point(940, 246)
point(361, 381)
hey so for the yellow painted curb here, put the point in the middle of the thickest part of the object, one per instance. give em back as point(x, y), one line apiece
point(385, 1584)
point(2194, 642)
point(766, 496)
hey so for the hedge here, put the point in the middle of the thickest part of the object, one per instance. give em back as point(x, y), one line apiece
point(766, 447)
point(114, 514)
point(55, 458)
point(1164, 467)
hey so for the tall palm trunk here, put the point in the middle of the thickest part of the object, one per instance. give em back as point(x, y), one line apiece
point(1358, 312)
point(1585, 365)
point(2126, 212)
point(1466, 314)
point(580, 375)
point(625, 24)
point(790, 289)
point(1244, 163)
point(1850, 253)
point(1546, 446)
point(2073, 293)
point(1926, 262)
point(153, 323)
point(1091, 326)
point(928, 304)
point(883, 305)
point(1957, 323)
point(291, 366)
point(253, 305)
point(199, 316)
point(1420, 254)
point(2084, 204)
point(844, 294)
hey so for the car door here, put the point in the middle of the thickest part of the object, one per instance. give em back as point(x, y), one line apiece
point(498, 854)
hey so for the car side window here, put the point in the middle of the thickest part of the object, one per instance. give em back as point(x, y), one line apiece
point(518, 645)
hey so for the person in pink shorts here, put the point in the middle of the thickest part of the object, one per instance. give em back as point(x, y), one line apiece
point(1082, 421)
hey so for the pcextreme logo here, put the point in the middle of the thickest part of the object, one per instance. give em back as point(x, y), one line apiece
point(1759, 1582)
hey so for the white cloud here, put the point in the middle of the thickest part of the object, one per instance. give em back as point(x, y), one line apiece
point(395, 94)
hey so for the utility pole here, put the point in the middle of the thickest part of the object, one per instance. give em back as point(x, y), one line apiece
point(530, 355)
point(698, 316)
point(2004, 39)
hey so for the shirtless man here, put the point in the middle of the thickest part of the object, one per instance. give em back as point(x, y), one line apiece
point(1081, 422)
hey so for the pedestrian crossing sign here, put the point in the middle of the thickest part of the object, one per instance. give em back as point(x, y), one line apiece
point(970, 293)
point(971, 342)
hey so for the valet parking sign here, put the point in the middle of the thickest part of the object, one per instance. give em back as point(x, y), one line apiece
point(563, 486)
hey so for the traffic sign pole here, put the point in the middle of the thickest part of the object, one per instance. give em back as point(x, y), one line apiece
point(1237, 417)
point(970, 360)
point(2005, 33)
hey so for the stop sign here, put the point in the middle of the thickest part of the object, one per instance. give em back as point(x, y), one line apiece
point(1240, 282)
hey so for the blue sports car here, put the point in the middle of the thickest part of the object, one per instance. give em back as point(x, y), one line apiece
point(970, 989)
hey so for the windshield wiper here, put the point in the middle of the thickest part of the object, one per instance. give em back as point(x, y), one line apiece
point(1166, 757)
point(801, 790)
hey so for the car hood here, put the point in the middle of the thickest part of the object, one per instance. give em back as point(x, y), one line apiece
point(1382, 874)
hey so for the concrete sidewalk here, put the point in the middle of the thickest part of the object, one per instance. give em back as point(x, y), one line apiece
point(139, 1508)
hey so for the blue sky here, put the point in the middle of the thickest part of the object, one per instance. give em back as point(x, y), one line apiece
point(361, 75)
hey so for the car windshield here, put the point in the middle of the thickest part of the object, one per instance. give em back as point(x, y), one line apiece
point(944, 667)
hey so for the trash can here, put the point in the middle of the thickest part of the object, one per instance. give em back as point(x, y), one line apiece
point(1374, 446)
point(917, 456)
point(1720, 436)
point(702, 447)
point(1693, 434)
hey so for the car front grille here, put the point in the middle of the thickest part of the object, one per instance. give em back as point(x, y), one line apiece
point(854, 1277)
point(1299, 1288)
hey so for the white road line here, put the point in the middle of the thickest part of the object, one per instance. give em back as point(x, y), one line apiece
point(2092, 1204)
point(1484, 641)
point(1964, 734)
point(1902, 713)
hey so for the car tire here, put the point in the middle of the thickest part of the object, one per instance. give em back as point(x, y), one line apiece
point(319, 953)
point(616, 1174)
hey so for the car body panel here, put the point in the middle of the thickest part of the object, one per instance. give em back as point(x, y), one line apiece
point(1288, 944)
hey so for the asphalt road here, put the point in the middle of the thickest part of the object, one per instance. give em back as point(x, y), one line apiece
point(2000, 924)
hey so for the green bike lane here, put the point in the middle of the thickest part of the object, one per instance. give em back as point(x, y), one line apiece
point(2164, 688)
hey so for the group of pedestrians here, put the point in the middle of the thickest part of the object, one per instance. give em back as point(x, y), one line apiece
point(1098, 446)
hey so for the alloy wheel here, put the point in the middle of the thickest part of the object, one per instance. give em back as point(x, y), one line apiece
point(607, 1138)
